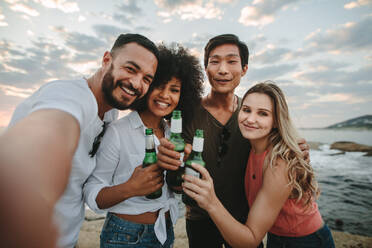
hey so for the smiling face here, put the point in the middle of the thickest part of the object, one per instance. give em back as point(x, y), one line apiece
point(256, 116)
point(129, 76)
point(164, 99)
point(224, 68)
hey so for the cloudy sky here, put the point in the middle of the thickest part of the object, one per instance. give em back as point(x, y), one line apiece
point(318, 51)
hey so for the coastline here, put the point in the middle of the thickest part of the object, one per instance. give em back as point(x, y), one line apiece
point(91, 229)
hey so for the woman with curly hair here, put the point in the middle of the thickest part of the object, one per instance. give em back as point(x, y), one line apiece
point(119, 184)
point(280, 184)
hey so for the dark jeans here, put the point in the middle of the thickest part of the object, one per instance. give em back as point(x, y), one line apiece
point(205, 234)
point(319, 239)
point(119, 233)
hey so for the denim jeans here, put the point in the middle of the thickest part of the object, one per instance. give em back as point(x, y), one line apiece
point(119, 233)
point(319, 239)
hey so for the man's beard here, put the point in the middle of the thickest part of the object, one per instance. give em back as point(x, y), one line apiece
point(108, 87)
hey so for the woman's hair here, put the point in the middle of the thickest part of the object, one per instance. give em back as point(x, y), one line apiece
point(283, 139)
point(176, 61)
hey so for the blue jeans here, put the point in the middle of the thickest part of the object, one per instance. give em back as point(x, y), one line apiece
point(119, 233)
point(319, 239)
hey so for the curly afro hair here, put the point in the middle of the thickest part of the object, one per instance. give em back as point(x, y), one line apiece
point(176, 61)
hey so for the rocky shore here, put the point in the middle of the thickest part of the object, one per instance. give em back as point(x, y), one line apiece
point(89, 235)
point(346, 146)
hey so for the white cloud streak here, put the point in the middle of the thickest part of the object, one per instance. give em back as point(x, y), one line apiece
point(189, 10)
point(62, 5)
point(357, 4)
point(262, 12)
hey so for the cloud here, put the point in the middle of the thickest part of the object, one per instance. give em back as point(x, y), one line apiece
point(336, 97)
point(108, 32)
point(62, 5)
point(326, 64)
point(19, 7)
point(188, 10)
point(270, 55)
point(269, 72)
point(336, 76)
point(348, 38)
point(357, 4)
point(262, 12)
point(34, 65)
point(3, 23)
point(83, 42)
point(127, 11)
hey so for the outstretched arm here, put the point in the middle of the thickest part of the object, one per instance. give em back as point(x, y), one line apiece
point(35, 162)
point(262, 215)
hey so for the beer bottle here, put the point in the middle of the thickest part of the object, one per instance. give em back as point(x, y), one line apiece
point(174, 178)
point(150, 158)
point(196, 158)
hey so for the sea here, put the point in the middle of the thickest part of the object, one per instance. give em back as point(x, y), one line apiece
point(345, 180)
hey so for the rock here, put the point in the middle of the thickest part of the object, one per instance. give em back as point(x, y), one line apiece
point(351, 147)
point(336, 154)
point(368, 154)
point(314, 145)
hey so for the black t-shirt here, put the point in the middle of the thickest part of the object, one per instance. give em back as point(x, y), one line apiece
point(226, 143)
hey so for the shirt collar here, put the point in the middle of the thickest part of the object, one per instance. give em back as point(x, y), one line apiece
point(135, 120)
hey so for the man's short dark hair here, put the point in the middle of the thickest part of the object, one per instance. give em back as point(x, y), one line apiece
point(137, 38)
point(226, 39)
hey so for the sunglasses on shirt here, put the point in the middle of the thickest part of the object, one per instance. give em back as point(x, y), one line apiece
point(223, 147)
point(97, 140)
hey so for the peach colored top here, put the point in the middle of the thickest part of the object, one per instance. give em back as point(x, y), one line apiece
point(293, 220)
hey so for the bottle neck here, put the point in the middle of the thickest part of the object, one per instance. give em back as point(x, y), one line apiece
point(150, 150)
point(175, 136)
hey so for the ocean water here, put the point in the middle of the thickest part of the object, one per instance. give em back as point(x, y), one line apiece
point(345, 180)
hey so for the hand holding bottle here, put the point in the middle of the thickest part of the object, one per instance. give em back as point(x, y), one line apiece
point(168, 158)
point(201, 189)
point(146, 180)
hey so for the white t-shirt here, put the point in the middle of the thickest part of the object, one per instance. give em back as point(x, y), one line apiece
point(75, 98)
point(122, 150)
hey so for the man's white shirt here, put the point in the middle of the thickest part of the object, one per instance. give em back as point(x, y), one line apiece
point(76, 98)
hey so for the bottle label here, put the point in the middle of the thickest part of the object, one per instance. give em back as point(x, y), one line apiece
point(181, 158)
point(197, 144)
point(176, 125)
point(149, 142)
point(191, 172)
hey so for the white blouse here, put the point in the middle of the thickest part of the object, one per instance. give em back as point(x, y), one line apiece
point(122, 149)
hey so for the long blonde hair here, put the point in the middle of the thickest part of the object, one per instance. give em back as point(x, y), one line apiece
point(283, 140)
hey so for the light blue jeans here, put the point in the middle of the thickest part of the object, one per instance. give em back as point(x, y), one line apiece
point(119, 233)
point(319, 239)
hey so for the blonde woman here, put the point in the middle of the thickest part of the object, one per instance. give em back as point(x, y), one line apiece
point(280, 186)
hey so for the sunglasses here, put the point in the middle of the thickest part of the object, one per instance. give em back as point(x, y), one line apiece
point(97, 140)
point(223, 147)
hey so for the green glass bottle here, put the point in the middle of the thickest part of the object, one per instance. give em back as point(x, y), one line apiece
point(174, 178)
point(150, 158)
point(196, 158)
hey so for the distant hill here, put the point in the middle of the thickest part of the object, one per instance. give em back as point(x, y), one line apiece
point(359, 122)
